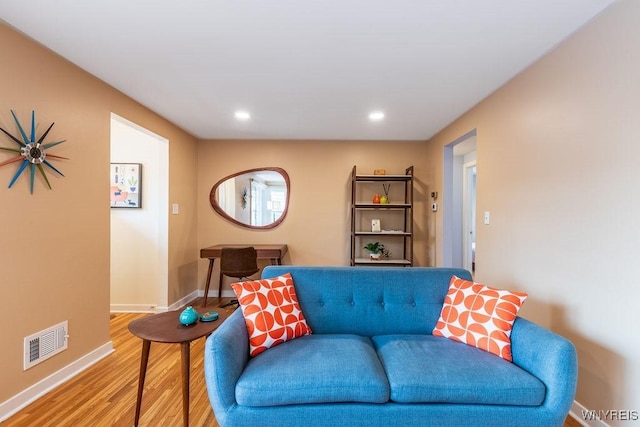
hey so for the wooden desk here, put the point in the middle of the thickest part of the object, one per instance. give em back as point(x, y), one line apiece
point(274, 253)
point(166, 328)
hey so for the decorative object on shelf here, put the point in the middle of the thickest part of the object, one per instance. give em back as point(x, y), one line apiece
point(209, 316)
point(375, 225)
point(189, 316)
point(376, 198)
point(32, 152)
point(379, 172)
point(125, 185)
point(376, 250)
point(385, 199)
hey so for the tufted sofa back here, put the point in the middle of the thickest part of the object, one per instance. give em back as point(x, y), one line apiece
point(369, 301)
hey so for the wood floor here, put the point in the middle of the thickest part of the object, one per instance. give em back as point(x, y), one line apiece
point(105, 394)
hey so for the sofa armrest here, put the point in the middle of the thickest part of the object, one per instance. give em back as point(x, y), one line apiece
point(551, 358)
point(226, 355)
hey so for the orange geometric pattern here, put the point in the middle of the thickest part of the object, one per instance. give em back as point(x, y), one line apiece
point(479, 316)
point(271, 312)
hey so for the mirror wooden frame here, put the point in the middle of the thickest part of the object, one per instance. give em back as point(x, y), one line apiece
point(216, 207)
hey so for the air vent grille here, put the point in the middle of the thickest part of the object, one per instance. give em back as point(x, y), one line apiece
point(44, 344)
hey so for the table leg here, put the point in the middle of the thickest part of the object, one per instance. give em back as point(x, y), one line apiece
point(220, 282)
point(186, 363)
point(208, 282)
point(146, 346)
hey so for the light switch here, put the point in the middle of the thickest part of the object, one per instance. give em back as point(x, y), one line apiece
point(175, 209)
point(487, 217)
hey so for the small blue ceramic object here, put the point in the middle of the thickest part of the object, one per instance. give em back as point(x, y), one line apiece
point(189, 316)
point(209, 316)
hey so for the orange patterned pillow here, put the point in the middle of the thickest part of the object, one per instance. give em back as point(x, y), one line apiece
point(271, 312)
point(479, 316)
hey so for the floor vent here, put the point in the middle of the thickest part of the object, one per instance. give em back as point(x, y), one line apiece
point(44, 344)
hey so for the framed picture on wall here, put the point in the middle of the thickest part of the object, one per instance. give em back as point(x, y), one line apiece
point(125, 182)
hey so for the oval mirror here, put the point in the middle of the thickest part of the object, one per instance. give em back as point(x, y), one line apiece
point(255, 198)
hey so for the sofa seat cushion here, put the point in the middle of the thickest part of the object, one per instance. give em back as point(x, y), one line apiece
point(429, 369)
point(319, 368)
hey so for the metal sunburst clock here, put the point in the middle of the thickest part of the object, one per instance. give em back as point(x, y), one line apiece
point(32, 153)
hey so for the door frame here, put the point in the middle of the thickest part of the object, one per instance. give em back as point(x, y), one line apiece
point(452, 229)
point(469, 214)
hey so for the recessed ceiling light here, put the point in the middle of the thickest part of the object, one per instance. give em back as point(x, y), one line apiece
point(242, 115)
point(376, 116)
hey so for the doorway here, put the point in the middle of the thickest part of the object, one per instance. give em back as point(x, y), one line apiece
point(469, 213)
point(459, 203)
point(139, 236)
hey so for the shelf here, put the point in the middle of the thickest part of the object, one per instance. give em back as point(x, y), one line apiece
point(396, 216)
point(369, 205)
point(382, 233)
point(382, 178)
point(367, 261)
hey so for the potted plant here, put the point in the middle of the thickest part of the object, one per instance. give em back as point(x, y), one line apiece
point(375, 250)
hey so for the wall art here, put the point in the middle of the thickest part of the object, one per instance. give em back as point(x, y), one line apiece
point(31, 151)
point(125, 179)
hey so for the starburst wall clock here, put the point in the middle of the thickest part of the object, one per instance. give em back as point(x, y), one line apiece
point(31, 152)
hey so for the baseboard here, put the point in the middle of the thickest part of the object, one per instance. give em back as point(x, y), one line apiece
point(581, 414)
point(133, 308)
point(185, 300)
point(151, 308)
point(29, 395)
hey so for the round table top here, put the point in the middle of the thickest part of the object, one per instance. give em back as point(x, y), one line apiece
point(166, 327)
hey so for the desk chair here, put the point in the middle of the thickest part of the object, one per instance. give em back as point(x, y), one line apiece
point(239, 263)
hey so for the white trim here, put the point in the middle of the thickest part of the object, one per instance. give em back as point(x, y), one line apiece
point(133, 308)
point(576, 412)
point(182, 302)
point(39, 389)
point(150, 308)
point(447, 203)
point(468, 217)
point(446, 209)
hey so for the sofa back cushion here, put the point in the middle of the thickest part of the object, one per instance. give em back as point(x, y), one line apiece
point(370, 301)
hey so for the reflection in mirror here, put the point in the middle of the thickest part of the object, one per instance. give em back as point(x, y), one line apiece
point(256, 198)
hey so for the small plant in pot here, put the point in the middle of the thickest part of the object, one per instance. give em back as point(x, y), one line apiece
point(376, 250)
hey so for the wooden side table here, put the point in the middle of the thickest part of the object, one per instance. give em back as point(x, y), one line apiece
point(166, 328)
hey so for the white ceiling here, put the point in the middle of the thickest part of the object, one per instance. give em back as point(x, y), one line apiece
point(303, 69)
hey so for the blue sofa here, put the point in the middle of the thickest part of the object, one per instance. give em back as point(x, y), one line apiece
point(372, 361)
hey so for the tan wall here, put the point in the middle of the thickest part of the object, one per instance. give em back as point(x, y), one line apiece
point(54, 244)
point(558, 170)
point(317, 226)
